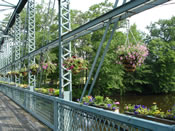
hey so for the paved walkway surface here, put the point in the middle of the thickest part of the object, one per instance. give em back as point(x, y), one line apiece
point(14, 118)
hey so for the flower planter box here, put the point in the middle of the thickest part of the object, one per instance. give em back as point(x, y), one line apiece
point(152, 118)
point(129, 67)
point(24, 73)
point(17, 75)
point(76, 71)
point(1, 75)
point(105, 108)
point(33, 72)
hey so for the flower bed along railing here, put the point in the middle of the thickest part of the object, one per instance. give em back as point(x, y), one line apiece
point(101, 102)
point(47, 91)
point(153, 113)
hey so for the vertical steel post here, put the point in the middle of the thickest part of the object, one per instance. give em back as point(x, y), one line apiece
point(4, 58)
point(31, 40)
point(65, 77)
point(1, 59)
point(0, 66)
point(7, 48)
point(10, 52)
point(17, 45)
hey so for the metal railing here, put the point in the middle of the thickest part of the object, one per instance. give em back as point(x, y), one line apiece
point(62, 115)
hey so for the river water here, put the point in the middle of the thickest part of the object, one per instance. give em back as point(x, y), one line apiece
point(164, 102)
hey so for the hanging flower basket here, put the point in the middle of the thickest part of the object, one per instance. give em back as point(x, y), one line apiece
point(8, 74)
point(131, 56)
point(16, 73)
point(13, 73)
point(75, 64)
point(127, 64)
point(49, 67)
point(1, 75)
point(23, 72)
point(34, 69)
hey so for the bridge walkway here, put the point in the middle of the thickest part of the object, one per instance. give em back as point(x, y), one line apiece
point(14, 118)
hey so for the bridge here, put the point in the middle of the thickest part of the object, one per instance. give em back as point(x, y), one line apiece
point(18, 48)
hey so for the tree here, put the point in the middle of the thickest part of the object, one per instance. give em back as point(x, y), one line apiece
point(162, 55)
point(163, 29)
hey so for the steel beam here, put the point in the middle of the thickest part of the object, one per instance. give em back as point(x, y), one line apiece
point(7, 5)
point(134, 7)
point(10, 45)
point(17, 10)
point(65, 76)
point(31, 41)
point(17, 46)
point(98, 53)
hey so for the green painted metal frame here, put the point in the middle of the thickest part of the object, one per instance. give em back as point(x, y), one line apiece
point(31, 41)
point(17, 45)
point(65, 76)
point(65, 37)
point(96, 24)
point(98, 53)
point(18, 9)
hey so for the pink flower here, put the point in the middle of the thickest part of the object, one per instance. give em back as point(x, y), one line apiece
point(117, 103)
point(44, 67)
point(126, 107)
point(72, 67)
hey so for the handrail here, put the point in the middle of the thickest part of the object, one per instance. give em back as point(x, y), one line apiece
point(68, 110)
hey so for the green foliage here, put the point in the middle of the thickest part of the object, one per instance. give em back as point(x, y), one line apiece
point(34, 67)
point(156, 75)
point(162, 56)
point(163, 29)
point(88, 100)
point(99, 100)
point(48, 91)
point(56, 92)
point(108, 100)
point(24, 69)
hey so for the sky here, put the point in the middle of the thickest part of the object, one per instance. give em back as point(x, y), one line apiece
point(142, 20)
